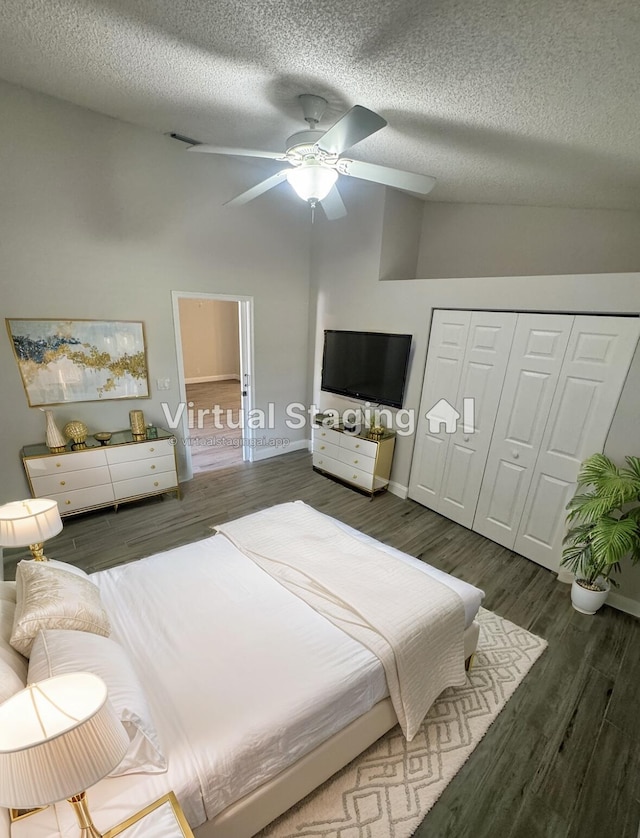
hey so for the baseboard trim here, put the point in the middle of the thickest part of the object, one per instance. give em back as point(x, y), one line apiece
point(265, 452)
point(624, 603)
point(398, 490)
point(203, 379)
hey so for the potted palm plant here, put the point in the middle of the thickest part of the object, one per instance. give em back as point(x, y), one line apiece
point(604, 528)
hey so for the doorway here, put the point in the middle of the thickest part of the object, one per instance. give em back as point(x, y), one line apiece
point(213, 344)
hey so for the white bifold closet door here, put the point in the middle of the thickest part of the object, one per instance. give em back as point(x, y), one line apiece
point(595, 367)
point(545, 388)
point(468, 354)
point(530, 384)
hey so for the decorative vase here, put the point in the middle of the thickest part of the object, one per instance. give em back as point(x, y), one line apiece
point(138, 427)
point(77, 431)
point(586, 601)
point(56, 443)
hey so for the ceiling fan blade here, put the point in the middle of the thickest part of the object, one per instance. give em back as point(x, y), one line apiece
point(333, 205)
point(236, 152)
point(354, 126)
point(409, 181)
point(257, 190)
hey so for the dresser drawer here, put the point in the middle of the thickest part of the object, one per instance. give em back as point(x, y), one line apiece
point(359, 445)
point(139, 451)
point(142, 468)
point(83, 498)
point(356, 460)
point(327, 435)
point(325, 463)
point(67, 481)
point(322, 446)
point(353, 475)
point(147, 485)
point(61, 463)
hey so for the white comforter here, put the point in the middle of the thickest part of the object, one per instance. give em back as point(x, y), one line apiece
point(412, 623)
point(242, 678)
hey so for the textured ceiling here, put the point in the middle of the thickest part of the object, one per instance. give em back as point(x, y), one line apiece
point(503, 101)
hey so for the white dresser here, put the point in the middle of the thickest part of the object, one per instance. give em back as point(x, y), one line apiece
point(360, 461)
point(124, 470)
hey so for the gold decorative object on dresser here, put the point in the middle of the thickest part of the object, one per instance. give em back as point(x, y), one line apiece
point(77, 432)
point(359, 460)
point(124, 470)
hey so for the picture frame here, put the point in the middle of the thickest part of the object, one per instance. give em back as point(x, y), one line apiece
point(64, 361)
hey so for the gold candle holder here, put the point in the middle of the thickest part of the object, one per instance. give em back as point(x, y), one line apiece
point(136, 421)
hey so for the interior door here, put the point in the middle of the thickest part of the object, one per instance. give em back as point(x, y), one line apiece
point(538, 350)
point(591, 379)
point(445, 358)
point(487, 352)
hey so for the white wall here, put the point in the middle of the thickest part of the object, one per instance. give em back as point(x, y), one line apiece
point(346, 294)
point(480, 240)
point(101, 219)
point(210, 339)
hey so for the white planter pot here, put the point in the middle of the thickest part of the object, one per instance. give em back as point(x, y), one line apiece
point(586, 601)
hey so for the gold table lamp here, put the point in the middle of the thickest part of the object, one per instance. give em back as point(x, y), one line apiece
point(29, 522)
point(58, 737)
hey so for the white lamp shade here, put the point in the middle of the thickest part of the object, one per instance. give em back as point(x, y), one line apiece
point(30, 521)
point(312, 181)
point(57, 738)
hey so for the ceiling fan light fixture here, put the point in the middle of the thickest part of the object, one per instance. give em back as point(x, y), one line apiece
point(312, 181)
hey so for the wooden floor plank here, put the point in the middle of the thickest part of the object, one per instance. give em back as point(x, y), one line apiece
point(549, 766)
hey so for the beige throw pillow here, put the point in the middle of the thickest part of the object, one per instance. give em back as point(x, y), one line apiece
point(51, 598)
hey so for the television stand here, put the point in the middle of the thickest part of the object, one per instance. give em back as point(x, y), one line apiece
point(360, 461)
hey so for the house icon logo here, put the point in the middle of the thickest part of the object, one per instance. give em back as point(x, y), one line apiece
point(444, 413)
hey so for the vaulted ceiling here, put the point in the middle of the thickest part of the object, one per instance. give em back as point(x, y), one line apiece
point(503, 101)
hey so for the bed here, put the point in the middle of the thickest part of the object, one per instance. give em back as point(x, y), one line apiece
point(255, 696)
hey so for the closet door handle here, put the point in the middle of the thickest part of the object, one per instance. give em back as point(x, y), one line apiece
point(516, 455)
point(465, 439)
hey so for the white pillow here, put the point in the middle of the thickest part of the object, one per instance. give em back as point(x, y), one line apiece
point(48, 597)
point(56, 651)
point(13, 667)
point(70, 568)
point(7, 592)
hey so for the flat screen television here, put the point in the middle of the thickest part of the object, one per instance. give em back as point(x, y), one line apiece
point(366, 365)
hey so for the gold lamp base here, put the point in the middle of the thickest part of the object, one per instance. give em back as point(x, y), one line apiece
point(37, 551)
point(85, 821)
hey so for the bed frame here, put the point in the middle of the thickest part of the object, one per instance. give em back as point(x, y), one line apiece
point(251, 813)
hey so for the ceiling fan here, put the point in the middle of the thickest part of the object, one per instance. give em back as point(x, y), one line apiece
point(315, 159)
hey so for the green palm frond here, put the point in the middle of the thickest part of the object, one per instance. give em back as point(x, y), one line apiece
point(633, 464)
point(589, 507)
point(596, 468)
point(614, 538)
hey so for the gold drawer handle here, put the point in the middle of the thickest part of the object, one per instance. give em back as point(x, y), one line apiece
point(355, 462)
point(357, 445)
point(68, 502)
point(155, 483)
point(63, 482)
point(322, 447)
point(355, 477)
point(152, 449)
point(58, 465)
point(152, 467)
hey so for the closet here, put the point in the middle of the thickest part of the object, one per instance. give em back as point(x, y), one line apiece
point(542, 390)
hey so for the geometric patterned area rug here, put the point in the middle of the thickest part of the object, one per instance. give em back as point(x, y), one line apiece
point(388, 789)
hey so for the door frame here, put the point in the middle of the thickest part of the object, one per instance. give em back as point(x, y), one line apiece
point(245, 332)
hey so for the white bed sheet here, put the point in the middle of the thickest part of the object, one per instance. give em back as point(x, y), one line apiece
point(291, 680)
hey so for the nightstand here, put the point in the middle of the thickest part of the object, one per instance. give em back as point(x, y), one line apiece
point(162, 819)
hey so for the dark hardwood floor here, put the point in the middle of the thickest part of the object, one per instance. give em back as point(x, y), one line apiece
point(563, 758)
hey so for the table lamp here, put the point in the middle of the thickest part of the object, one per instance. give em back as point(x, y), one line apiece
point(58, 737)
point(29, 522)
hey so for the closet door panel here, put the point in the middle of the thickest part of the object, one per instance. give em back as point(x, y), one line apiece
point(537, 354)
point(445, 357)
point(590, 382)
point(486, 356)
